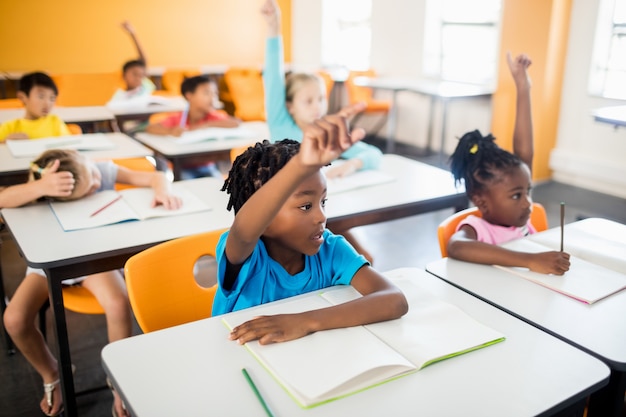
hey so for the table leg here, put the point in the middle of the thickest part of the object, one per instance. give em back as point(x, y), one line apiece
point(429, 135)
point(65, 361)
point(177, 169)
point(609, 401)
point(391, 123)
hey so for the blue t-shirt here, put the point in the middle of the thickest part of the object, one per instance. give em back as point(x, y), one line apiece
point(262, 279)
point(279, 121)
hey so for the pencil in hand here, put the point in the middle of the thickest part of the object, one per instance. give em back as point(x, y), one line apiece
point(562, 223)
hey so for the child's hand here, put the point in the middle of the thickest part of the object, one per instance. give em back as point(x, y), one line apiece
point(556, 263)
point(327, 138)
point(56, 184)
point(177, 131)
point(128, 27)
point(271, 329)
point(271, 12)
point(167, 200)
point(518, 69)
point(18, 135)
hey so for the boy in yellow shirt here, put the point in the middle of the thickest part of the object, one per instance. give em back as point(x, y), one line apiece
point(38, 93)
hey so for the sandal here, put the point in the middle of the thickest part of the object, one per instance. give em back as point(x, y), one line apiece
point(49, 390)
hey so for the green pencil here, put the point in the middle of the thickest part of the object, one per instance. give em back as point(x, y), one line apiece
point(257, 393)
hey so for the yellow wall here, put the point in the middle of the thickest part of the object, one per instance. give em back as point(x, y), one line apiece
point(538, 28)
point(76, 36)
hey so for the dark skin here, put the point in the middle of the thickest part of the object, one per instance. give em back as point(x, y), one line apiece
point(288, 214)
point(506, 199)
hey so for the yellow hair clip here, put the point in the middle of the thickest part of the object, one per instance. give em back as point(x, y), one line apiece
point(474, 149)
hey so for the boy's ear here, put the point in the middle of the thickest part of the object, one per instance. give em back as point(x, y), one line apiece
point(22, 97)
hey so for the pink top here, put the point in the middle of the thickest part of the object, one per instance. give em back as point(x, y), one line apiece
point(174, 119)
point(494, 234)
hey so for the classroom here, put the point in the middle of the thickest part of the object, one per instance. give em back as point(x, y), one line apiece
point(430, 71)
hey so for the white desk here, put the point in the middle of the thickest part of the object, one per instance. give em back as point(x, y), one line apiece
point(15, 170)
point(193, 370)
point(598, 329)
point(418, 188)
point(124, 113)
point(615, 115)
point(444, 91)
point(199, 152)
point(90, 251)
point(79, 114)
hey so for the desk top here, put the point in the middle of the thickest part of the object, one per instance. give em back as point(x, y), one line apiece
point(79, 114)
point(81, 246)
point(157, 104)
point(530, 373)
point(598, 328)
point(442, 89)
point(615, 115)
point(167, 146)
point(125, 147)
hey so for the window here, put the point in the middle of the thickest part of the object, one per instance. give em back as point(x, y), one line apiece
point(461, 40)
point(346, 33)
point(608, 64)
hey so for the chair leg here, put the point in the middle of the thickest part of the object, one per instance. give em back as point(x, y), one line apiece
point(3, 307)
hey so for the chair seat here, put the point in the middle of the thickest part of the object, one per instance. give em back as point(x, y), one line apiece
point(80, 300)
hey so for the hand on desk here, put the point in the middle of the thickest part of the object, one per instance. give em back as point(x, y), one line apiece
point(556, 263)
point(271, 329)
point(349, 167)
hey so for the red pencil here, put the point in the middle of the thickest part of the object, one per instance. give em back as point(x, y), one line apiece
point(119, 197)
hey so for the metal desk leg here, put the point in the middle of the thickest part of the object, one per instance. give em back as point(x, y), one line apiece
point(65, 361)
point(609, 401)
point(391, 122)
point(429, 135)
point(444, 119)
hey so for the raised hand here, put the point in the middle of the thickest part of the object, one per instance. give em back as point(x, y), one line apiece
point(271, 12)
point(556, 263)
point(128, 27)
point(55, 183)
point(327, 138)
point(518, 67)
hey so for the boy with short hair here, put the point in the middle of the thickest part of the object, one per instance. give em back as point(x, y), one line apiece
point(38, 92)
point(201, 95)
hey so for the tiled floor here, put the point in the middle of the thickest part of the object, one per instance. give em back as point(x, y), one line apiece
point(406, 242)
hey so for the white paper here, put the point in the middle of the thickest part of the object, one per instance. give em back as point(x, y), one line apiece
point(35, 147)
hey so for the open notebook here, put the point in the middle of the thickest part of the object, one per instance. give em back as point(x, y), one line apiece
point(35, 147)
point(332, 364)
point(359, 179)
point(214, 133)
point(134, 204)
point(585, 281)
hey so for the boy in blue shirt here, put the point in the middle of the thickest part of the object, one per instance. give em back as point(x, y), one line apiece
point(278, 245)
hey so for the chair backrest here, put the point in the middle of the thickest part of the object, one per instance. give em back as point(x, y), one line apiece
point(87, 89)
point(357, 94)
point(78, 299)
point(75, 129)
point(245, 87)
point(328, 81)
point(161, 285)
point(11, 103)
point(173, 78)
point(446, 229)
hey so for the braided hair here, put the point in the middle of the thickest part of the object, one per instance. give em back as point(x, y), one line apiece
point(255, 167)
point(477, 160)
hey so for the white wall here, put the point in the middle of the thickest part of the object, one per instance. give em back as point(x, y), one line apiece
point(588, 154)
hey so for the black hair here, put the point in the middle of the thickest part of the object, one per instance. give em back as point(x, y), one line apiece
point(190, 84)
point(34, 79)
point(254, 167)
point(477, 159)
point(132, 64)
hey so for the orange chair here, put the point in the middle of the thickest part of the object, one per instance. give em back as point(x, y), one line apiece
point(328, 82)
point(358, 94)
point(74, 129)
point(11, 103)
point(446, 229)
point(245, 89)
point(161, 285)
point(87, 89)
point(173, 78)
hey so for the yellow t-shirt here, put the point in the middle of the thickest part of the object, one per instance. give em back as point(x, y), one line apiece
point(44, 127)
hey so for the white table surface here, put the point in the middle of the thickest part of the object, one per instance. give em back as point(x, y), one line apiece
point(78, 114)
point(164, 104)
point(125, 147)
point(167, 146)
point(615, 115)
point(442, 89)
point(193, 370)
point(70, 247)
